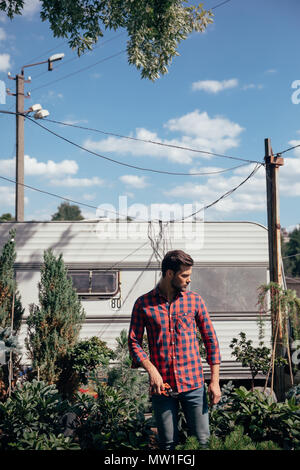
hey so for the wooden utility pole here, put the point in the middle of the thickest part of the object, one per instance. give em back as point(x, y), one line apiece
point(273, 164)
point(19, 210)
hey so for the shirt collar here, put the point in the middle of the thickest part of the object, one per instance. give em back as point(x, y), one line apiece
point(157, 292)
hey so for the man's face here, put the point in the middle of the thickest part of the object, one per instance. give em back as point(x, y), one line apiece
point(181, 279)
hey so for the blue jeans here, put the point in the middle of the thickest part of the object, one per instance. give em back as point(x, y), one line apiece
point(195, 409)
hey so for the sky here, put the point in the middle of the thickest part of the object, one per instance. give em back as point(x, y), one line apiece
point(230, 88)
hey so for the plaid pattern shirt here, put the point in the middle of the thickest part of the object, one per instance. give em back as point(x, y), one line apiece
point(171, 330)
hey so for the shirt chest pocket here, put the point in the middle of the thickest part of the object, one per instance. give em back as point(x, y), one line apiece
point(186, 321)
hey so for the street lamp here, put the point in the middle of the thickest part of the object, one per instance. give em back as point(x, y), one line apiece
point(40, 113)
point(20, 80)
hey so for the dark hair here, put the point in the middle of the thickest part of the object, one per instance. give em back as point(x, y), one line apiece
point(174, 260)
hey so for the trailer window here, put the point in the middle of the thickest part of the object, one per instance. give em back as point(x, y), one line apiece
point(95, 282)
point(229, 288)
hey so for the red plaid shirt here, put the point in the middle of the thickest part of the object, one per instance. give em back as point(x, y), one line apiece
point(171, 331)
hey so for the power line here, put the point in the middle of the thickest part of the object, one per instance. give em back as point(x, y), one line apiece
point(80, 70)
point(287, 150)
point(228, 193)
point(65, 62)
point(220, 4)
point(178, 147)
point(291, 256)
point(122, 163)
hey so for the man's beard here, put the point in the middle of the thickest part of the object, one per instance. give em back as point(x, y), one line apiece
point(176, 287)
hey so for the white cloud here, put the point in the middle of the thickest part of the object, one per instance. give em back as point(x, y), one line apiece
point(77, 182)
point(2, 34)
point(4, 62)
point(293, 143)
point(290, 173)
point(194, 130)
point(88, 197)
point(30, 8)
point(73, 122)
point(214, 86)
point(252, 86)
point(33, 167)
point(249, 197)
point(134, 181)
point(7, 197)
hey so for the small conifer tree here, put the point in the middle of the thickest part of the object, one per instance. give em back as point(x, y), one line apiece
point(54, 324)
point(11, 312)
point(10, 300)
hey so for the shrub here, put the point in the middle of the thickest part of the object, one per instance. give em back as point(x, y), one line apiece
point(86, 357)
point(258, 359)
point(261, 418)
point(236, 440)
point(110, 421)
point(133, 385)
point(11, 313)
point(54, 324)
point(35, 441)
point(36, 407)
point(294, 392)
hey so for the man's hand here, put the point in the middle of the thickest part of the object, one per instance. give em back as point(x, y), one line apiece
point(155, 379)
point(156, 382)
point(214, 393)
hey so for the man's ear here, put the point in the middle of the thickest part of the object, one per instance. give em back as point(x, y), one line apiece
point(169, 274)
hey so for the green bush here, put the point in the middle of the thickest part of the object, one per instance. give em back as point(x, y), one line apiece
point(82, 360)
point(36, 407)
point(110, 421)
point(35, 441)
point(133, 385)
point(261, 418)
point(236, 440)
point(294, 392)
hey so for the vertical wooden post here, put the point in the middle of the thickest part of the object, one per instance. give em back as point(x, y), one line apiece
point(19, 148)
point(272, 167)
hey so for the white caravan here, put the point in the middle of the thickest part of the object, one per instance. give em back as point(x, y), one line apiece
point(112, 263)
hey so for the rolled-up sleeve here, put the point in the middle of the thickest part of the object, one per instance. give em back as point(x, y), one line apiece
point(135, 336)
point(208, 334)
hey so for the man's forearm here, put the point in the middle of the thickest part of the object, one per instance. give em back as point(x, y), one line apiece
point(214, 387)
point(214, 373)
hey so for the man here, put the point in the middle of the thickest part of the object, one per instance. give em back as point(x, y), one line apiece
point(171, 315)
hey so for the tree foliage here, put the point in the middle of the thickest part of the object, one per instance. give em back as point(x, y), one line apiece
point(54, 324)
point(155, 28)
point(10, 299)
point(67, 211)
point(289, 252)
point(6, 217)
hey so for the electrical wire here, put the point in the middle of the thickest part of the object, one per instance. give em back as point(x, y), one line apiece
point(179, 147)
point(220, 4)
point(80, 70)
point(140, 140)
point(287, 150)
point(291, 256)
point(65, 62)
point(228, 193)
point(128, 164)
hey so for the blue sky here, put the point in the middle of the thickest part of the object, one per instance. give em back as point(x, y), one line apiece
point(229, 89)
